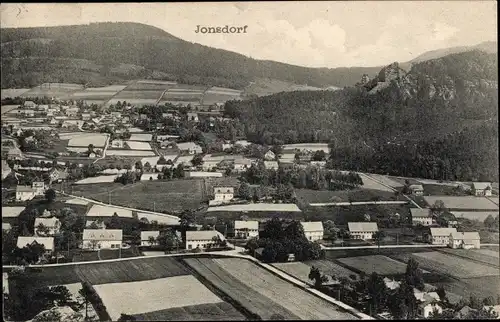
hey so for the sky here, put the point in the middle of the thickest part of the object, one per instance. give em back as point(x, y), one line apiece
point(313, 34)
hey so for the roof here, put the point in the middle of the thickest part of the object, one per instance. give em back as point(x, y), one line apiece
point(47, 222)
point(146, 234)
point(474, 235)
point(48, 242)
point(102, 234)
point(11, 212)
point(416, 187)
point(363, 226)
point(416, 212)
point(223, 189)
point(187, 146)
point(24, 189)
point(202, 235)
point(312, 225)
point(243, 161)
point(481, 185)
point(6, 226)
point(250, 224)
point(442, 231)
point(270, 164)
point(391, 284)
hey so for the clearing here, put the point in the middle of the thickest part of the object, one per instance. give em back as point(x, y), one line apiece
point(221, 311)
point(98, 179)
point(380, 264)
point(488, 257)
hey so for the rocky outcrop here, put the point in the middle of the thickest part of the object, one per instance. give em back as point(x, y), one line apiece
point(56, 314)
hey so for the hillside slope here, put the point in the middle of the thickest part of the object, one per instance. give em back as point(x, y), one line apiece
point(490, 47)
point(31, 56)
point(454, 98)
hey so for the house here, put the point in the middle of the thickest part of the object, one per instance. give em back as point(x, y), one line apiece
point(102, 238)
point(271, 165)
point(226, 145)
point(58, 175)
point(26, 112)
point(71, 123)
point(319, 164)
point(190, 147)
point(29, 104)
point(425, 308)
point(24, 193)
point(243, 143)
point(440, 236)
point(116, 114)
point(118, 144)
point(51, 224)
point(242, 164)
point(43, 107)
point(86, 116)
point(391, 283)
point(72, 111)
point(465, 240)
point(146, 235)
point(362, 230)
point(149, 176)
point(246, 229)
point(416, 189)
point(193, 117)
point(494, 308)
point(202, 239)
point(47, 242)
point(460, 315)
point(421, 216)
point(269, 156)
point(313, 230)
point(481, 189)
point(223, 193)
point(6, 226)
point(39, 187)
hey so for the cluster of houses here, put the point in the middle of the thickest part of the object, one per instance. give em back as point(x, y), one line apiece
point(478, 189)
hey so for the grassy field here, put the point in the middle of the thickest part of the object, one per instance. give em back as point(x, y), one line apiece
point(387, 181)
point(300, 270)
point(160, 196)
point(369, 183)
point(138, 94)
point(480, 286)
point(221, 311)
point(468, 202)
point(12, 92)
point(341, 215)
point(441, 190)
point(153, 295)
point(375, 263)
point(325, 196)
point(113, 272)
point(98, 179)
point(480, 255)
point(254, 215)
point(479, 215)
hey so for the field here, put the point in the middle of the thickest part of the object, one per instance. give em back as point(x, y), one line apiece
point(479, 215)
point(83, 140)
point(139, 86)
point(108, 211)
point(220, 311)
point(341, 215)
point(469, 202)
point(12, 92)
point(133, 100)
point(387, 181)
point(134, 145)
point(453, 265)
point(261, 292)
point(160, 196)
point(220, 95)
point(355, 195)
point(98, 179)
point(141, 137)
point(300, 270)
point(153, 295)
point(257, 207)
point(77, 201)
point(308, 146)
point(369, 183)
point(161, 219)
point(480, 286)
point(484, 256)
point(132, 153)
point(137, 94)
point(8, 108)
point(375, 263)
point(441, 190)
point(266, 86)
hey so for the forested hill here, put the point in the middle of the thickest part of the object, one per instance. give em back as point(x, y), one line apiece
point(450, 103)
point(106, 52)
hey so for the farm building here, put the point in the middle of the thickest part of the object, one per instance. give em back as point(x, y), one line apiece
point(362, 230)
point(271, 165)
point(29, 104)
point(223, 193)
point(201, 174)
point(47, 242)
point(189, 147)
point(421, 216)
point(481, 189)
point(193, 117)
point(465, 240)
point(242, 164)
point(391, 283)
point(440, 236)
point(202, 239)
point(143, 137)
point(26, 112)
point(102, 238)
point(58, 175)
point(149, 176)
point(95, 224)
point(246, 229)
point(146, 237)
point(417, 189)
point(52, 226)
point(313, 230)
point(24, 193)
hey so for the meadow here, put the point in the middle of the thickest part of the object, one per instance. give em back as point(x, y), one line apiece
point(267, 207)
point(481, 255)
point(12, 92)
point(221, 311)
point(83, 140)
point(134, 145)
point(375, 263)
point(467, 202)
point(131, 153)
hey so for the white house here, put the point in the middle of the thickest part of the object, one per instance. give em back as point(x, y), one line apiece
point(202, 239)
point(29, 104)
point(6, 226)
point(145, 237)
point(52, 224)
point(417, 189)
point(269, 156)
point(465, 240)
point(193, 117)
point(24, 193)
point(243, 143)
point(223, 194)
point(313, 230)
point(190, 147)
point(440, 236)
point(271, 165)
point(72, 111)
point(481, 189)
point(242, 164)
point(202, 174)
point(427, 302)
point(102, 238)
point(421, 216)
point(246, 229)
point(362, 230)
point(47, 242)
point(86, 116)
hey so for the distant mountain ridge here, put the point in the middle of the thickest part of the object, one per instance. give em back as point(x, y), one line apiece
point(490, 47)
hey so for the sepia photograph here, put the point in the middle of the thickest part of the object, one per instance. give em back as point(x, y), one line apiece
point(244, 161)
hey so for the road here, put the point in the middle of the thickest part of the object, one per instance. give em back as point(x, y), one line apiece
point(357, 203)
point(380, 182)
point(384, 246)
point(104, 150)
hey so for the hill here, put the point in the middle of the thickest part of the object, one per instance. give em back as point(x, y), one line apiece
point(91, 53)
point(446, 107)
point(489, 47)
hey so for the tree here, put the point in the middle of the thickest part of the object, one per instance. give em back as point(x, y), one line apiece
point(197, 160)
point(86, 293)
point(377, 291)
point(152, 240)
point(330, 230)
point(50, 195)
point(489, 301)
point(438, 207)
point(489, 222)
point(252, 244)
point(187, 218)
point(244, 191)
point(294, 230)
point(138, 165)
point(42, 230)
point(273, 229)
point(319, 155)
point(442, 294)
point(316, 276)
point(378, 236)
point(168, 240)
point(147, 167)
point(413, 275)
point(126, 317)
